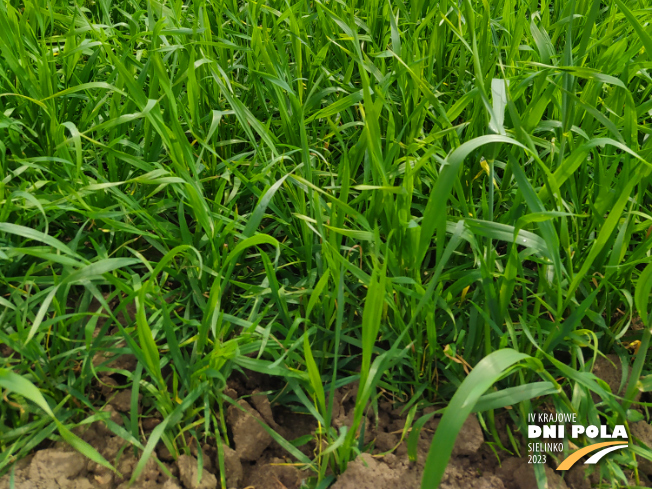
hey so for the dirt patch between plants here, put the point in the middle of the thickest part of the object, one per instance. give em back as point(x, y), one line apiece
point(255, 461)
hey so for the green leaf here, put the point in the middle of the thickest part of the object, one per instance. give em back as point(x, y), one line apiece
point(513, 395)
point(642, 294)
point(484, 375)
point(23, 387)
point(313, 374)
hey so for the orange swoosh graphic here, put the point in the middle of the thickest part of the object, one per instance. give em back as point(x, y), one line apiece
point(575, 456)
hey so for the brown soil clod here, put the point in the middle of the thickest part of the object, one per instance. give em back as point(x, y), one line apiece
point(5, 351)
point(643, 431)
point(273, 475)
point(122, 400)
point(171, 484)
point(55, 464)
point(126, 361)
point(516, 473)
point(108, 386)
point(386, 441)
point(150, 423)
point(233, 472)
point(51, 469)
point(207, 460)
point(576, 478)
point(610, 370)
point(470, 438)
point(262, 405)
point(249, 436)
point(164, 453)
point(367, 473)
point(188, 472)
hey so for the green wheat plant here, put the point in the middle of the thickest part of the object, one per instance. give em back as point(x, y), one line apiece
point(326, 192)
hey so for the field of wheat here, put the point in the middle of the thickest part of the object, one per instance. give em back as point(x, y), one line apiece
point(215, 213)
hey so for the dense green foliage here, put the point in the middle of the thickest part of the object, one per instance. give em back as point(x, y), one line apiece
point(326, 192)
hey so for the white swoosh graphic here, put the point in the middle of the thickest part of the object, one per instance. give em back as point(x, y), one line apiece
point(596, 457)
